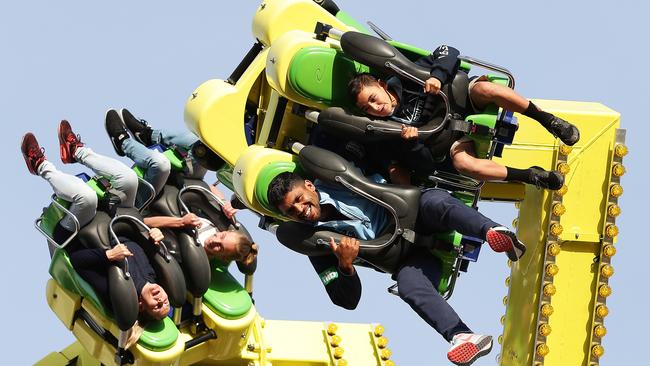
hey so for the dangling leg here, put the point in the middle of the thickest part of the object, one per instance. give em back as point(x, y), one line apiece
point(465, 161)
point(416, 285)
point(440, 212)
point(483, 92)
point(83, 200)
point(122, 177)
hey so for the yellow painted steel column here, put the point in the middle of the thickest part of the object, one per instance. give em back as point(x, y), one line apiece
point(557, 291)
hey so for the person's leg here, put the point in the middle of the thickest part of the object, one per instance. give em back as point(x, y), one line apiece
point(156, 166)
point(183, 139)
point(121, 176)
point(482, 92)
point(440, 212)
point(465, 161)
point(416, 282)
point(82, 198)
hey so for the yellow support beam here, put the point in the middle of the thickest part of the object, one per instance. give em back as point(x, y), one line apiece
point(556, 289)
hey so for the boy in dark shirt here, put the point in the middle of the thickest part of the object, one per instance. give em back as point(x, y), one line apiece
point(413, 106)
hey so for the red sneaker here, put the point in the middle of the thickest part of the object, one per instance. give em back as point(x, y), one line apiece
point(502, 239)
point(69, 142)
point(467, 347)
point(32, 152)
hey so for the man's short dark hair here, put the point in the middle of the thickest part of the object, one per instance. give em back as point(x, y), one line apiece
point(358, 82)
point(282, 184)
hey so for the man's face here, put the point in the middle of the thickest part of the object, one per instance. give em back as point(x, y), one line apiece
point(301, 203)
point(375, 100)
point(154, 301)
point(222, 244)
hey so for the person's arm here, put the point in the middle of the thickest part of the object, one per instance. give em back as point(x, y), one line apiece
point(189, 220)
point(98, 257)
point(228, 210)
point(343, 289)
point(443, 63)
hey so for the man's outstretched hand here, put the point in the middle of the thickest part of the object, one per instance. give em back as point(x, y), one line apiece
point(346, 251)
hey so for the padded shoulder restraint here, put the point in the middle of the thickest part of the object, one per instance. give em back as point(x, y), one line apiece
point(199, 201)
point(376, 52)
point(333, 169)
point(311, 241)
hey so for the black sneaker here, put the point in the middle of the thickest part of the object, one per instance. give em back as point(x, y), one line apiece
point(139, 128)
point(546, 179)
point(116, 130)
point(564, 130)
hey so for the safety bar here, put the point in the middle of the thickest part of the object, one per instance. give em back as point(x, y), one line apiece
point(455, 180)
point(151, 197)
point(421, 82)
point(37, 225)
point(165, 251)
point(296, 147)
point(221, 202)
point(398, 230)
point(490, 66)
point(379, 31)
point(454, 277)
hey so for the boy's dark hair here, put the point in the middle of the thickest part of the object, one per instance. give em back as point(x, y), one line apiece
point(358, 82)
point(281, 185)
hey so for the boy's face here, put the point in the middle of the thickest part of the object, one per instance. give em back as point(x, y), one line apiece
point(301, 203)
point(154, 301)
point(375, 100)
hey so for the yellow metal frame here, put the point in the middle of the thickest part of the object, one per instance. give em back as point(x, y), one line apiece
point(560, 276)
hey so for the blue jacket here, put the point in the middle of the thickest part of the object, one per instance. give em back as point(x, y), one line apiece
point(366, 219)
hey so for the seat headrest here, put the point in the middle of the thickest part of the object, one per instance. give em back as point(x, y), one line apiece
point(266, 175)
point(322, 74)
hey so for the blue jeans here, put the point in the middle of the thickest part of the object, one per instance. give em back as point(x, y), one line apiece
point(156, 166)
point(440, 212)
point(415, 285)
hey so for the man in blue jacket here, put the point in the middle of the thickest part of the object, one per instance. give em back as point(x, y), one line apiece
point(355, 217)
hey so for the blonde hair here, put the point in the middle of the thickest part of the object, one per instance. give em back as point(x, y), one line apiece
point(246, 249)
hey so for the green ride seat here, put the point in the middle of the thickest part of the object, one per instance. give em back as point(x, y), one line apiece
point(62, 271)
point(322, 74)
point(226, 296)
point(157, 336)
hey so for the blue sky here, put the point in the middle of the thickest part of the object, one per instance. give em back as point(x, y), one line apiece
point(74, 59)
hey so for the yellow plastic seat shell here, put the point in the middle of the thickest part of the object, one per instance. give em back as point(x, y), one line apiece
point(247, 169)
point(275, 18)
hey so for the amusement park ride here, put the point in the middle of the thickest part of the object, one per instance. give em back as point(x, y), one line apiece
point(293, 78)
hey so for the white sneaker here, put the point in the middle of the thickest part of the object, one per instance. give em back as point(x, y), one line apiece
point(467, 347)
